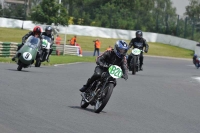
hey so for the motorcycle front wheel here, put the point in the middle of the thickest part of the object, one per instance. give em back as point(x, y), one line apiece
point(19, 68)
point(106, 94)
point(133, 65)
point(38, 62)
point(20, 65)
point(84, 104)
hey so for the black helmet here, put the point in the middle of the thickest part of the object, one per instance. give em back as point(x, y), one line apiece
point(138, 34)
point(120, 48)
point(48, 30)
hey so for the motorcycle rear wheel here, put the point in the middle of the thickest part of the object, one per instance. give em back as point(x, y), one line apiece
point(101, 103)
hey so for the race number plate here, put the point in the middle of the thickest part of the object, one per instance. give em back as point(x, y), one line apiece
point(136, 51)
point(115, 71)
point(27, 56)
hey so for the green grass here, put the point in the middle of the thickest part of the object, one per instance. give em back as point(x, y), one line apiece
point(12, 34)
point(58, 59)
point(87, 44)
point(160, 49)
point(68, 59)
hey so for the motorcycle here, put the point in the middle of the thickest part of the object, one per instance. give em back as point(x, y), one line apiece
point(26, 55)
point(44, 52)
point(135, 61)
point(197, 63)
point(99, 92)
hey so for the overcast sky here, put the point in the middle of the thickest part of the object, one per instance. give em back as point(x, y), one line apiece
point(180, 6)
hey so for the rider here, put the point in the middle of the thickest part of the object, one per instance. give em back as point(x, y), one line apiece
point(37, 30)
point(138, 42)
point(194, 59)
point(114, 56)
point(48, 32)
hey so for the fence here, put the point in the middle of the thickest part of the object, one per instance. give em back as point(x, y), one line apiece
point(8, 49)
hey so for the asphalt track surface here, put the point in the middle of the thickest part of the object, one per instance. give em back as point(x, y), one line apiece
point(164, 98)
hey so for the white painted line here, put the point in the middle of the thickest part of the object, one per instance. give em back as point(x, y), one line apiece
point(197, 78)
point(67, 64)
point(166, 57)
point(191, 65)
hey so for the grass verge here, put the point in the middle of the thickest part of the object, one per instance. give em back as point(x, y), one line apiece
point(58, 59)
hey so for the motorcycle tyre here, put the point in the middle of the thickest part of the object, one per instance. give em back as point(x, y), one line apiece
point(19, 68)
point(105, 100)
point(38, 62)
point(133, 64)
point(84, 104)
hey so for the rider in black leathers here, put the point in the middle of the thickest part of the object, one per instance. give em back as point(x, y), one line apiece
point(48, 32)
point(115, 56)
point(139, 43)
point(36, 30)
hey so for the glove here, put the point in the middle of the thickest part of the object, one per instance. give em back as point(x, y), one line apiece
point(23, 41)
point(103, 74)
point(125, 76)
point(106, 65)
point(145, 51)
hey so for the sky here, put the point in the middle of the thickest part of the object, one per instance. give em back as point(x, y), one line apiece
point(180, 6)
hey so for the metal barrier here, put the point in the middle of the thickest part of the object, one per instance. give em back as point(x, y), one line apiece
point(8, 49)
point(72, 50)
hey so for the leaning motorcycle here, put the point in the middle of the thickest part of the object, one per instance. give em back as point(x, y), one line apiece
point(197, 63)
point(44, 52)
point(27, 54)
point(135, 61)
point(99, 92)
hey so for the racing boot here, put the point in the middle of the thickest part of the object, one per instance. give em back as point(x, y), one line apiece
point(141, 67)
point(13, 58)
point(48, 59)
point(51, 50)
point(84, 88)
point(129, 67)
point(18, 48)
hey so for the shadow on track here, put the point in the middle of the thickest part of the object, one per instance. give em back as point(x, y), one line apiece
point(17, 70)
point(87, 109)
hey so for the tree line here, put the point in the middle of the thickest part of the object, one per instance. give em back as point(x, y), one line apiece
point(148, 15)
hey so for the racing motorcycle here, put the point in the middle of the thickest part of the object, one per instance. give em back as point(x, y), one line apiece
point(26, 55)
point(44, 52)
point(99, 92)
point(197, 63)
point(135, 61)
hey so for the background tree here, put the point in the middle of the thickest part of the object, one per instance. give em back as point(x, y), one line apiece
point(193, 9)
point(166, 17)
point(14, 11)
point(193, 18)
point(47, 12)
point(1, 11)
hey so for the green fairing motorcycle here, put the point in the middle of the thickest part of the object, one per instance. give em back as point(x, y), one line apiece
point(27, 54)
